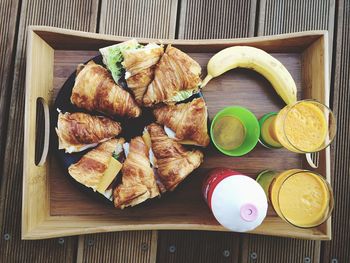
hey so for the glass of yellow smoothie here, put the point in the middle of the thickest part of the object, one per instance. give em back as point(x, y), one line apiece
point(300, 197)
point(304, 127)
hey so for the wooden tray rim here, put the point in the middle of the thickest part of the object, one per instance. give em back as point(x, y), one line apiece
point(247, 40)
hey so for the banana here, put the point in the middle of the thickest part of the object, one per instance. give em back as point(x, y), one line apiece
point(258, 60)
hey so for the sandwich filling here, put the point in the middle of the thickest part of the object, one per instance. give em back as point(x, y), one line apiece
point(113, 57)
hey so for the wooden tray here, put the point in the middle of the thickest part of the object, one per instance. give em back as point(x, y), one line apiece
point(53, 206)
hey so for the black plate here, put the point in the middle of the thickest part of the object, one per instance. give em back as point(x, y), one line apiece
point(130, 127)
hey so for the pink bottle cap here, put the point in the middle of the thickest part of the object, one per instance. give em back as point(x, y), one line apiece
point(249, 212)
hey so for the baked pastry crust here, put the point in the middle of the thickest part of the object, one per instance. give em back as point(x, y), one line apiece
point(81, 129)
point(95, 90)
point(174, 161)
point(175, 71)
point(138, 181)
point(187, 120)
point(137, 60)
point(139, 83)
point(90, 169)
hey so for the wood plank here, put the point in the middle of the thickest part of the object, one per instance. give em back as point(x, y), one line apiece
point(70, 14)
point(8, 19)
point(149, 19)
point(277, 17)
point(134, 18)
point(197, 246)
point(216, 19)
point(131, 246)
point(272, 249)
point(337, 249)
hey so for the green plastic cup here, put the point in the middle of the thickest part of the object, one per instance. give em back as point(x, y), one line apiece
point(265, 178)
point(261, 138)
point(250, 124)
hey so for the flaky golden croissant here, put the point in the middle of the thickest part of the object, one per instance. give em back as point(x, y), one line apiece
point(136, 60)
point(174, 162)
point(79, 131)
point(139, 82)
point(175, 72)
point(138, 181)
point(90, 169)
point(94, 89)
point(139, 68)
point(187, 120)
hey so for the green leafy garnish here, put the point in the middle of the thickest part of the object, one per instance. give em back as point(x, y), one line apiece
point(183, 94)
point(113, 58)
point(115, 155)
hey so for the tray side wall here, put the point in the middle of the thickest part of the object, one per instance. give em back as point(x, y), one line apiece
point(39, 84)
point(78, 40)
point(316, 83)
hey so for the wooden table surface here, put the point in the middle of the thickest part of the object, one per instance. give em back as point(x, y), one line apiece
point(196, 19)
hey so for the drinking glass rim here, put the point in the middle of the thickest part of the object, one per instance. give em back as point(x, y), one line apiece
point(330, 197)
point(316, 102)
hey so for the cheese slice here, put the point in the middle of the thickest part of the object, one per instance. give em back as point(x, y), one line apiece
point(171, 134)
point(188, 142)
point(113, 169)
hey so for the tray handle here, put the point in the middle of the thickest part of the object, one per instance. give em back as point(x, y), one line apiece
point(312, 159)
point(45, 150)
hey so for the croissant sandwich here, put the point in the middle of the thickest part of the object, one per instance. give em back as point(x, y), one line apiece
point(79, 131)
point(136, 60)
point(95, 90)
point(112, 57)
point(99, 167)
point(138, 181)
point(177, 77)
point(139, 82)
point(174, 163)
point(185, 122)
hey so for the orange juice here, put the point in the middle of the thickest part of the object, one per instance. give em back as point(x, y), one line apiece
point(301, 197)
point(301, 127)
point(267, 133)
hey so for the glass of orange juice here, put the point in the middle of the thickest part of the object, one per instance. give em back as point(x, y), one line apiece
point(306, 126)
point(300, 197)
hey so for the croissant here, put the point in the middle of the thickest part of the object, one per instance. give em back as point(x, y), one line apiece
point(90, 169)
point(79, 131)
point(94, 89)
point(136, 60)
point(174, 162)
point(138, 181)
point(187, 120)
point(175, 72)
point(139, 82)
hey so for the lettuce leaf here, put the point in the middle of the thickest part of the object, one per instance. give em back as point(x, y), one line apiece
point(115, 155)
point(113, 58)
point(184, 94)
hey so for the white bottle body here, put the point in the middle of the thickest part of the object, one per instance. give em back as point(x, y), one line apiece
point(237, 201)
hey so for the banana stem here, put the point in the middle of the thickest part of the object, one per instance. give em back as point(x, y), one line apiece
point(206, 80)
